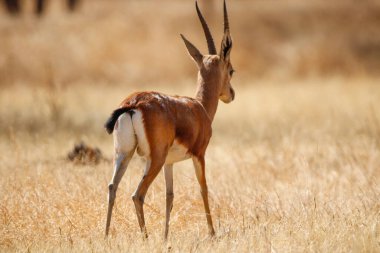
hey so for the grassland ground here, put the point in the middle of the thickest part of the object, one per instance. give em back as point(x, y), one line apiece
point(291, 167)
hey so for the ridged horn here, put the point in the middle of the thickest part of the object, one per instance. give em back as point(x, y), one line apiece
point(226, 23)
point(210, 41)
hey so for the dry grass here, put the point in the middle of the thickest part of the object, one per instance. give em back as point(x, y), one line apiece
point(290, 168)
point(293, 166)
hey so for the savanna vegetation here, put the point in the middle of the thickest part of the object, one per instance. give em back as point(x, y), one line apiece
point(294, 161)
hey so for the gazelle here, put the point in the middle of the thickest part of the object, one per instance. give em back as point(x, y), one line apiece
point(167, 129)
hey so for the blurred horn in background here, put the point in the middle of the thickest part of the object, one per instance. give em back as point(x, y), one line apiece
point(40, 6)
point(72, 4)
point(12, 6)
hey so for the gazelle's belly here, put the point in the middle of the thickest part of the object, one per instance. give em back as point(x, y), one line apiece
point(177, 152)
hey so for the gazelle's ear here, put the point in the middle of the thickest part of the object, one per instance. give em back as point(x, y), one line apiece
point(226, 47)
point(193, 51)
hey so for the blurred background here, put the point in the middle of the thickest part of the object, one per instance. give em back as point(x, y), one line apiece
point(124, 42)
point(293, 164)
point(70, 62)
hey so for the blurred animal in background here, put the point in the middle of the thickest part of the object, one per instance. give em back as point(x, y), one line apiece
point(14, 7)
point(84, 154)
point(167, 129)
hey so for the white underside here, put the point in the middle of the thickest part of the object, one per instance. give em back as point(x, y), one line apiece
point(177, 153)
point(130, 133)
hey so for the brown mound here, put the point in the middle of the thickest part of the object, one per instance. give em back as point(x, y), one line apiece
point(84, 154)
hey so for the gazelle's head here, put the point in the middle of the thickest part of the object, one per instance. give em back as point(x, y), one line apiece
point(215, 68)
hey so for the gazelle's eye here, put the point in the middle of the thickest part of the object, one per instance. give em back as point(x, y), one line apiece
point(232, 72)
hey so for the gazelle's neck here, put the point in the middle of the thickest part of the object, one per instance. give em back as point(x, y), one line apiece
point(208, 94)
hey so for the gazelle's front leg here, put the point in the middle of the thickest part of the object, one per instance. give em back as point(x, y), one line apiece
point(168, 169)
point(199, 165)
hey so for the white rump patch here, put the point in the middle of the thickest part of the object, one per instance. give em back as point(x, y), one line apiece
point(177, 152)
point(143, 148)
point(124, 135)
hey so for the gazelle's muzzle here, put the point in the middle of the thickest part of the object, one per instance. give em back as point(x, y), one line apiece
point(232, 92)
point(228, 98)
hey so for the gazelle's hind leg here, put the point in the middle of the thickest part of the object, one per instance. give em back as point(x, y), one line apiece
point(125, 145)
point(153, 167)
point(199, 165)
point(168, 169)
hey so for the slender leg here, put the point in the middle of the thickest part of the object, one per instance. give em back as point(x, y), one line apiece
point(152, 169)
point(125, 145)
point(121, 163)
point(168, 169)
point(199, 165)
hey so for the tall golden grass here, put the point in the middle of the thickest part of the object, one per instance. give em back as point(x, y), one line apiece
point(289, 169)
point(294, 162)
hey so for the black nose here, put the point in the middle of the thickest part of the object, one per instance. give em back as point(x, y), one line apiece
point(232, 93)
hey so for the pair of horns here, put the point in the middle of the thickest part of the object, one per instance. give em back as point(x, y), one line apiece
point(209, 39)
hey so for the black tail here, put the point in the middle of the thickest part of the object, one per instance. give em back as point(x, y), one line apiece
point(110, 124)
